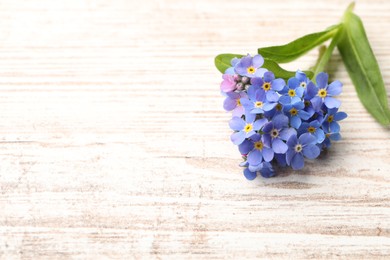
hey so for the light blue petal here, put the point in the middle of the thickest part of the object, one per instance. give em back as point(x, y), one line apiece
point(311, 151)
point(335, 88)
point(295, 121)
point(297, 161)
point(269, 106)
point(293, 83)
point(255, 157)
point(332, 102)
point(307, 139)
point(269, 76)
point(334, 127)
point(238, 137)
point(319, 133)
point(257, 61)
point(268, 154)
point(317, 103)
point(286, 133)
point(322, 80)
point(278, 84)
point(272, 96)
point(260, 72)
point(236, 124)
point(258, 124)
point(289, 155)
point(280, 121)
point(279, 146)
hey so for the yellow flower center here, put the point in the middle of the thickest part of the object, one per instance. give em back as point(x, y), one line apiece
point(291, 93)
point(311, 129)
point(238, 102)
point(251, 70)
point(307, 103)
point(303, 84)
point(322, 93)
point(259, 104)
point(266, 86)
point(293, 111)
point(330, 119)
point(298, 148)
point(259, 145)
point(279, 107)
point(327, 135)
point(248, 128)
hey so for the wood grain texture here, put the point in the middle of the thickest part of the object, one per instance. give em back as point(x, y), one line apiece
point(114, 143)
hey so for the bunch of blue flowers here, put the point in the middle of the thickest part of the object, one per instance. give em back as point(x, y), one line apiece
point(278, 122)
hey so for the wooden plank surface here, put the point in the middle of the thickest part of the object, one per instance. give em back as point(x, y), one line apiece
point(114, 143)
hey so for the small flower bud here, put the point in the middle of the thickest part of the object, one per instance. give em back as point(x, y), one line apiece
point(245, 80)
point(237, 78)
point(247, 86)
point(240, 86)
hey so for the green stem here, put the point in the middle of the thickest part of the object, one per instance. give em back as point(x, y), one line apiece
point(325, 56)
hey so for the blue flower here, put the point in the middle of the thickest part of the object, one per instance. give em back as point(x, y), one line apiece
point(298, 148)
point(268, 84)
point(294, 92)
point(233, 103)
point(245, 128)
point(324, 93)
point(255, 102)
point(260, 151)
point(276, 131)
point(265, 169)
point(250, 66)
point(331, 119)
point(296, 113)
point(329, 137)
point(313, 128)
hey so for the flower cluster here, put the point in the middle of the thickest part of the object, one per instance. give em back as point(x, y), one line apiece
point(278, 122)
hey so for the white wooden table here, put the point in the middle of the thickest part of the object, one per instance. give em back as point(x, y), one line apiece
point(114, 143)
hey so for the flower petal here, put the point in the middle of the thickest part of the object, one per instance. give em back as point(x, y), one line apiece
point(257, 61)
point(249, 175)
point(278, 84)
point(245, 147)
point(238, 137)
point(236, 124)
point(289, 155)
point(297, 161)
point(280, 121)
point(258, 124)
point(340, 116)
point(293, 83)
point(269, 76)
point(279, 146)
point(268, 154)
point(286, 133)
point(255, 157)
point(332, 102)
point(322, 80)
point(335, 88)
point(311, 151)
point(229, 104)
point(306, 139)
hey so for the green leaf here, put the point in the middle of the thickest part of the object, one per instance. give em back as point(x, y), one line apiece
point(363, 68)
point(295, 49)
point(280, 72)
point(222, 62)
